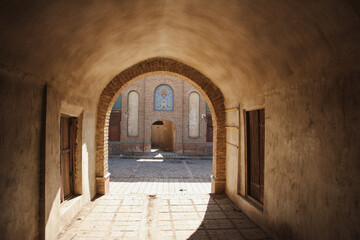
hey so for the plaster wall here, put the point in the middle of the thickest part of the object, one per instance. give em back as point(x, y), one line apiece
point(20, 137)
point(57, 214)
point(311, 161)
point(30, 163)
point(299, 59)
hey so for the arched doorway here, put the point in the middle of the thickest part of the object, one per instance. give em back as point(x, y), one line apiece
point(160, 65)
point(163, 136)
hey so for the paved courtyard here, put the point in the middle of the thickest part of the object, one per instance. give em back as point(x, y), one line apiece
point(161, 199)
point(160, 176)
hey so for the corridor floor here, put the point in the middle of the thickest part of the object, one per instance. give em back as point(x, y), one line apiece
point(172, 202)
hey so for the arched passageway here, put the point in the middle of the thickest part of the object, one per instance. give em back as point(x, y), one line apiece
point(211, 93)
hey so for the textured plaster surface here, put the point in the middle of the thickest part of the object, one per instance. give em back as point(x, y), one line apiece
point(57, 215)
point(299, 59)
point(311, 161)
point(20, 136)
point(259, 45)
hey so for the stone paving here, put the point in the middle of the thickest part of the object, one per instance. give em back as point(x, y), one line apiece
point(161, 213)
point(159, 186)
point(160, 168)
point(160, 176)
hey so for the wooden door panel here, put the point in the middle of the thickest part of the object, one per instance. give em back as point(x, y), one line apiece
point(155, 136)
point(152, 136)
point(65, 138)
point(261, 152)
point(66, 176)
point(255, 153)
point(209, 128)
point(73, 153)
point(161, 136)
point(67, 155)
point(115, 126)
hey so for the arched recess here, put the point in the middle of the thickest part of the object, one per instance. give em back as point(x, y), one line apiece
point(211, 93)
point(194, 115)
point(133, 114)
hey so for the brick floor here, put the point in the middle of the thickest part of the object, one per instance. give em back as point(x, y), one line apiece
point(155, 208)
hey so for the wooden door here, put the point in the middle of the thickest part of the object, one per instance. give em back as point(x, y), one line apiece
point(168, 136)
point(67, 150)
point(161, 137)
point(154, 136)
point(255, 123)
point(115, 126)
point(157, 136)
point(209, 128)
point(173, 138)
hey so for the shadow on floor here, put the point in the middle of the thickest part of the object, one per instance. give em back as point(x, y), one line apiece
point(214, 217)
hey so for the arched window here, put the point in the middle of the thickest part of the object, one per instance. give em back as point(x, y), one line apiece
point(194, 114)
point(163, 98)
point(133, 114)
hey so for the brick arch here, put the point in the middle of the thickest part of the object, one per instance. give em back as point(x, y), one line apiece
point(210, 91)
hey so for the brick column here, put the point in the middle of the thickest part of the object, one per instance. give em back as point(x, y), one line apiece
point(102, 130)
point(218, 180)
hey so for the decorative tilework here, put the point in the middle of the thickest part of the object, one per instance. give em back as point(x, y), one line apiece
point(164, 98)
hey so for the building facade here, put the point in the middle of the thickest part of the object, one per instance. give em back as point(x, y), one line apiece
point(160, 112)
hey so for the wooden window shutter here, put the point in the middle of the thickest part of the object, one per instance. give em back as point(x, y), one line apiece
point(255, 129)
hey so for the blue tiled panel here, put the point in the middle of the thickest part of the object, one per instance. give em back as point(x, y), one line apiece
point(164, 98)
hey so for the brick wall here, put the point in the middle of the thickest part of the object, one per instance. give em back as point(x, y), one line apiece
point(145, 87)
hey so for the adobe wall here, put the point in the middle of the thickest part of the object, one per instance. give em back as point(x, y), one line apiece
point(311, 175)
point(30, 160)
point(21, 107)
point(299, 59)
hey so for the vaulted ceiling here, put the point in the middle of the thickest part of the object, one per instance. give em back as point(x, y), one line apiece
point(244, 47)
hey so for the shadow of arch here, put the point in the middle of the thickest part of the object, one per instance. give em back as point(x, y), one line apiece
point(220, 219)
point(166, 66)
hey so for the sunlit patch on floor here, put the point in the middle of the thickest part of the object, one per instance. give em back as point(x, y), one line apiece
point(150, 160)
